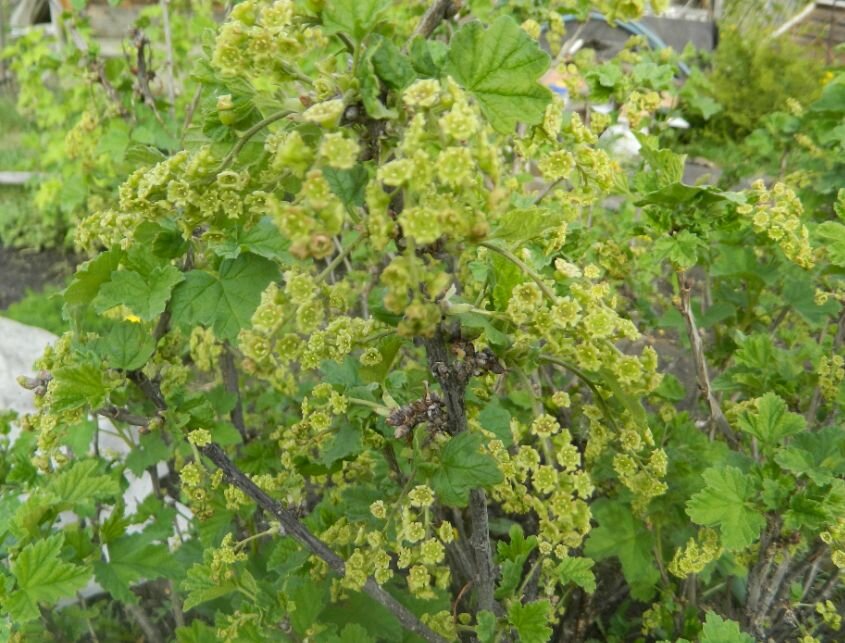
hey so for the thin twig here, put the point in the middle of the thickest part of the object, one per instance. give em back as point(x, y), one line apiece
point(292, 525)
point(717, 417)
point(168, 45)
point(340, 257)
point(230, 383)
point(137, 613)
point(189, 116)
point(529, 272)
point(295, 529)
point(551, 359)
point(551, 186)
point(140, 40)
point(248, 134)
point(122, 415)
point(436, 12)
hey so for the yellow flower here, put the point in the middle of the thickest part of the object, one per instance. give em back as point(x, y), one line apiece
point(132, 318)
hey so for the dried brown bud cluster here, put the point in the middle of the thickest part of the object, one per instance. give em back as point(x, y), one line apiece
point(429, 409)
point(469, 362)
point(36, 384)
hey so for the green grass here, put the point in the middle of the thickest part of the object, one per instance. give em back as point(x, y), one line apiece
point(42, 309)
point(16, 209)
point(13, 154)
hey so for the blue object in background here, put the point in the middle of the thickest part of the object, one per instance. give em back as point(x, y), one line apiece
point(635, 29)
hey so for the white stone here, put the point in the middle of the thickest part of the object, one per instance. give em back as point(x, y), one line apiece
point(20, 346)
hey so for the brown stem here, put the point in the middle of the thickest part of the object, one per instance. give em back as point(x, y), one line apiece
point(453, 384)
point(296, 530)
point(168, 46)
point(189, 115)
point(717, 417)
point(137, 614)
point(292, 526)
point(141, 42)
point(436, 12)
point(230, 383)
point(774, 586)
point(96, 65)
point(122, 415)
point(176, 603)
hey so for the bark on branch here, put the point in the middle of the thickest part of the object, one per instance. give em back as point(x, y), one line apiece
point(291, 524)
point(717, 417)
point(296, 530)
point(438, 10)
point(230, 382)
point(453, 382)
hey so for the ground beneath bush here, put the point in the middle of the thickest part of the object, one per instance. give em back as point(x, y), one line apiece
point(28, 270)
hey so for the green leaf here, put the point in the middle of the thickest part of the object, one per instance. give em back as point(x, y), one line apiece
point(127, 346)
point(348, 185)
point(832, 235)
point(392, 66)
point(492, 335)
point(506, 276)
point(681, 249)
point(501, 66)
point(362, 610)
point(831, 100)
point(76, 386)
point(519, 547)
point(146, 296)
point(201, 587)
point(132, 558)
point(719, 630)
point(198, 632)
point(494, 417)
point(114, 141)
point(310, 598)
point(727, 502)
point(704, 105)
point(42, 577)
point(620, 534)
point(346, 442)
point(819, 455)
point(90, 276)
point(463, 468)
point(369, 88)
point(428, 56)
point(671, 389)
point(486, 626)
point(73, 192)
point(531, 621)
point(262, 239)
point(512, 557)
point(665, 166)
point(355, 633)
point(526, 224)
point(578, 571)
point(653, 75)
point(79, 483)
point(356, 18)
point(607, 74)
point(223, 301)
point(771, 422)
point(151, 450)
point(678, 194)
point(799, 292)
